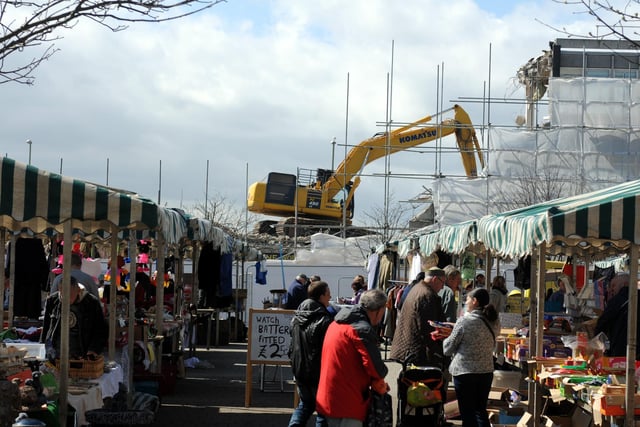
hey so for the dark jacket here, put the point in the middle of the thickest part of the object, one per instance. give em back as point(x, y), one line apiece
point(308, 327)
point(86, 313)
point(296, 294)
point(613, 322)
point(412, 341)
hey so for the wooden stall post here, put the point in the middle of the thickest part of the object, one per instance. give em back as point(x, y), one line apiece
point(113, 303)
point(632, 326)
point(269, 339)
point(2, 268)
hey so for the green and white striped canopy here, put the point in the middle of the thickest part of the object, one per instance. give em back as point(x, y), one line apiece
point(453, 239)
point(40, 200)
point(602, 219)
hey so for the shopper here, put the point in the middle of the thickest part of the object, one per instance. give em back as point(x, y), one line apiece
point(412, 341)
point(498, 294)
point(89, 283)
point(471, 346)
point(448, 293)
point(308, 329)
point(614, 318)
point(358, 286)
point(351, 364)
point(297, 292)
point(88, 329)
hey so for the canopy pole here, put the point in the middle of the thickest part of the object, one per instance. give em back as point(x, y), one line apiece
point(132, 253)
point(64, 322)
point(487, 268)
point(631, 336)
point(12, 280)
point(112, 293)
point(160, 295)
point(536, 315)
point(195, 283)
point(2, 268)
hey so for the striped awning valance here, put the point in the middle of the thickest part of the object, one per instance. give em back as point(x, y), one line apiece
point(598, 217)
point(39, 200)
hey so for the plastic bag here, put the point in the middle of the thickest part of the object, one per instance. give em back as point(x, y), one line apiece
point(420, 395)
point(596, 344)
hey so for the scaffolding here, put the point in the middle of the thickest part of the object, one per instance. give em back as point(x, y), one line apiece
point(592, 142)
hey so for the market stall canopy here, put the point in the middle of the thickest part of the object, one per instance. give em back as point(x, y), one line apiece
point(454, 239)
point(600, 222)
point(203, 230)
point(41, 200)
point(173, 225)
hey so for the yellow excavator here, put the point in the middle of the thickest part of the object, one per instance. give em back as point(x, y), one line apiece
point(317, 198)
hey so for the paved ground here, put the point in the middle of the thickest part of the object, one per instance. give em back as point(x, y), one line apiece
point(215, 395)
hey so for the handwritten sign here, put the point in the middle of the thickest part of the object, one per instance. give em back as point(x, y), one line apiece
point(269, 336)
point(510, 320)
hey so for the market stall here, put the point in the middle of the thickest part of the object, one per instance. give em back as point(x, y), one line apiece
point(34, 202)
point(592, 225)
point(599, 223)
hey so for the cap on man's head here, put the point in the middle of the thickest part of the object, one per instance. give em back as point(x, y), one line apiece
point(435, 272)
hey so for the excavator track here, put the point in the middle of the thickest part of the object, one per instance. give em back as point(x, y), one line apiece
point(310, 226)
point(305, 227)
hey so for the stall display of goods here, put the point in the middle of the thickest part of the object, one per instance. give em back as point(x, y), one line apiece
point(11, 360)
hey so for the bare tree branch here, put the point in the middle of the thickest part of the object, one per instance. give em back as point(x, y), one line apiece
point(532, 188)
point(388, 226)
point(29, 25)
point(618, 21)
point(221, 212)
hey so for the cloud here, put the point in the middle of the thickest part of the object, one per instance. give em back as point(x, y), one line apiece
point(264, 85)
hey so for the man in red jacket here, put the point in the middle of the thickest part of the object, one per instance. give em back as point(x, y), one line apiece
point(351, 363)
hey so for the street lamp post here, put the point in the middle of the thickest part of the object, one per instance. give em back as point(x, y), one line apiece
point(333, 152)
point(28, 141)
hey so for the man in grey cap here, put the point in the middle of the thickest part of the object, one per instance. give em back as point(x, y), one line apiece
point(297, 292)
point(412, 342)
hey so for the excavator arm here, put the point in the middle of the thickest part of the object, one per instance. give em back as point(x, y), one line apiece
point(405, 137)
point(328, 198)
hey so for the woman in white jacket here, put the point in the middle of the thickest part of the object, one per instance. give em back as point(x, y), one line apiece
point(471, 344)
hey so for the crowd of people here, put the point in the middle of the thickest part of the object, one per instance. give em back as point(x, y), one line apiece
point(336, 357)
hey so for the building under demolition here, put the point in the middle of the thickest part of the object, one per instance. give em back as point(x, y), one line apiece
point(581, 133)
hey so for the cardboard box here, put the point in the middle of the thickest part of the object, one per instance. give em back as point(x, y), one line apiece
point(612, 365)
point(451, 410)
point(581, 418)
point(507, 416)
point(556, 421)
point(507, 379)
point(526, 420)
point(499, 395)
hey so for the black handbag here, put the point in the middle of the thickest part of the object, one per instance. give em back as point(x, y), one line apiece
point(380, 411)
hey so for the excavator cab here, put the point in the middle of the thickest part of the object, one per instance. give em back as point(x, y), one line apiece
point(281, 189)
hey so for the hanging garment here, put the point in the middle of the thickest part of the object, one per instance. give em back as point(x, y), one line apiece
point(32, 272)
point(386, 270)
point(372, 271)
point(416, 266)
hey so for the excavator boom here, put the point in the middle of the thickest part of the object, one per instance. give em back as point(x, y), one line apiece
point(405, 137)
point(327, 198)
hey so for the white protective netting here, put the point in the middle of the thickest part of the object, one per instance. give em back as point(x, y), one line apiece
point(593, 142)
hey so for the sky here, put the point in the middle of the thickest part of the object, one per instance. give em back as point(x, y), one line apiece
point(253, 86)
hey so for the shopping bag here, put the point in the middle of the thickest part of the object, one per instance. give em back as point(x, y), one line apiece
point(380, 411)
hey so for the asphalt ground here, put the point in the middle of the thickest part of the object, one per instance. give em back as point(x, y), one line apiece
point(213, 393)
